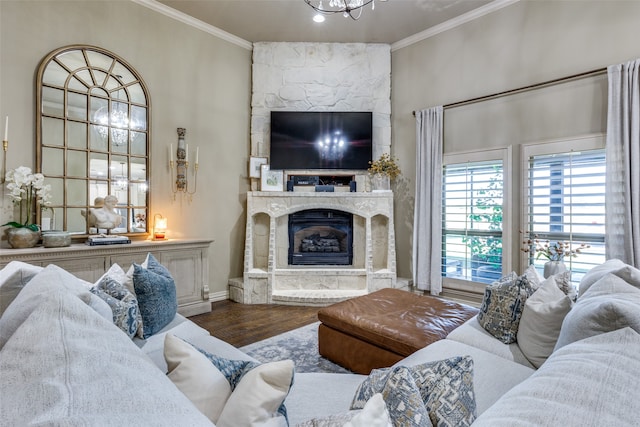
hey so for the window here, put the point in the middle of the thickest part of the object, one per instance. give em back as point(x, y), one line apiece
point(565, 195)
point(473, 198)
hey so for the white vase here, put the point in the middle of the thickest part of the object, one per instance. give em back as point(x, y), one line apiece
point(380, 182)
point(554, 267)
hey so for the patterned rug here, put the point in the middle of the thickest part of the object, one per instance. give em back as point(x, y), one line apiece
point(299, 345)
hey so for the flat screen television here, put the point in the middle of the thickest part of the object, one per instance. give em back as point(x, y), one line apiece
point(320, 140)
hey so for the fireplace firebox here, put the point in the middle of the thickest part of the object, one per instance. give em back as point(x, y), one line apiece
point(320, 237)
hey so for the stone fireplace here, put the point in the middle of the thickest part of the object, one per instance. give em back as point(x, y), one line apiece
point(271, 277)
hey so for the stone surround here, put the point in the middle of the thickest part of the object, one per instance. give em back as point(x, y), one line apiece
point(268, 278)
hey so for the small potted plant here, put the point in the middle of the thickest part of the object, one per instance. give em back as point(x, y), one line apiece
point(27, 190)
point(382, 171)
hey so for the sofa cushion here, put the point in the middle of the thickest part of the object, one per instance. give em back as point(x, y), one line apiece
point(433, 393)
point(50, 280)
point(541, 320)
point(155, 290)
point(492, 375)
point(586, 383)
point(616, 267)
point(123, 304)
point(609, 304)
point(66, 365)
point(13, 277)
point(502, 306)
point(473, 334)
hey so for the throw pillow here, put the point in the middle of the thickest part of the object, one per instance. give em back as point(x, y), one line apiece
point(439, 392)
point(124, 305)
point(13, 277)
point(196, 377)
point(374, 414)
point(502, 306)
point(232, 392)
point(614, 266)
point(50, 280)
point(564, 283)
point(534, 278)
point(156, 293)
point(609, 304)
point(541, 320)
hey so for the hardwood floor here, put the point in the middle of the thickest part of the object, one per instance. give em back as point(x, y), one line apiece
point(243, 324)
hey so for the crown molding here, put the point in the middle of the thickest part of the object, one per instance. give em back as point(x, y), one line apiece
point(196, 23)
point(452, 23)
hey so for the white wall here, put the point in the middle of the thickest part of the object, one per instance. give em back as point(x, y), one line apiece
point(195, 80)
point(321, 77)
point(526, 43)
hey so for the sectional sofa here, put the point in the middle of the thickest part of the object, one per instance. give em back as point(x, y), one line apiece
point(64, 362)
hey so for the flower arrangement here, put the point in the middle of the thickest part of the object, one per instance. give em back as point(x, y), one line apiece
point(385, 165)
point(26, 189)
point(555, 251)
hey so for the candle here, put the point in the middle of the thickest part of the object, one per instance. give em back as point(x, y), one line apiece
point(171, 152)
point(6, 128)
point(186, 153)
point(197, 154)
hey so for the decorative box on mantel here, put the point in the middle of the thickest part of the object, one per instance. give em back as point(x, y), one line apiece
point(271, 277)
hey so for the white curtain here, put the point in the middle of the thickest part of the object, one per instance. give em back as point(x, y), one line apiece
point(427, 219)
point(623, 164)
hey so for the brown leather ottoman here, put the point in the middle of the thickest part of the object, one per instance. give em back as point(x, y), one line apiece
point(381, 328)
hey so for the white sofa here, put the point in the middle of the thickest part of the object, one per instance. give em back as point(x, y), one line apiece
point(62, 362)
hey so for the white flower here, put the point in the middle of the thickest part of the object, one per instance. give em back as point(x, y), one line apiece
point(24, 187)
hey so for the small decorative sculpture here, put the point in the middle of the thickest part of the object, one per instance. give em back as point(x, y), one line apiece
point(104, 216)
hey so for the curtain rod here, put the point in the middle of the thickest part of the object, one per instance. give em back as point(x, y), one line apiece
point(525, 88)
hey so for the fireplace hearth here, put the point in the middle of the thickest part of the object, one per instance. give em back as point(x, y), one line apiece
point(320, 237)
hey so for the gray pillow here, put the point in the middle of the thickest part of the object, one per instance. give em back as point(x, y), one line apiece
point(434, 393)
point(614, 266)
point(609, 304)
point(502, 306)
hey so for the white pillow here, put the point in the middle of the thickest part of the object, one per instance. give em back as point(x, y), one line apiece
point(616, 267)
point(541, 321)
point(196, 377)
point(13, 277)
point(374, 414)
point(535, 278)
point(258, 396)
point(50, 280)
point(255, 399)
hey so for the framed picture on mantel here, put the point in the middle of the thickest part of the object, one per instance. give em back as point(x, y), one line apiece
point(254, 166)
point(271, 180)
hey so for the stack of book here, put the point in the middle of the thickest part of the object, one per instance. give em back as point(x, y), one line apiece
point(107, 240)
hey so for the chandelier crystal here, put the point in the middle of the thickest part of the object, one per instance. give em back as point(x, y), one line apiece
point(348, 8)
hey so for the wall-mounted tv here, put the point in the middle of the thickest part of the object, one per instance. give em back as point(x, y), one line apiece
point(320, 140)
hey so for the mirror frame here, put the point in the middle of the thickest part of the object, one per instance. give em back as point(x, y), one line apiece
point(96, 78)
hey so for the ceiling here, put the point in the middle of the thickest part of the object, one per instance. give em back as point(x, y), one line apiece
point(291, 20)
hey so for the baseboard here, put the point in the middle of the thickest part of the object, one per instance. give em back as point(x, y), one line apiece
point(218, 296)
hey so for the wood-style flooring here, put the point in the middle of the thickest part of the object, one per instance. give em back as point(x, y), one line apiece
point(243, 324)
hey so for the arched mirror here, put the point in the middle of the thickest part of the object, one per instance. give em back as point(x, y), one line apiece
point(92, 138)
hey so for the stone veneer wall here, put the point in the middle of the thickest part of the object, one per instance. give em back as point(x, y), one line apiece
point(321, 77)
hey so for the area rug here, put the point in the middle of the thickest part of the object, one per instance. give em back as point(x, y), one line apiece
point(299, 345)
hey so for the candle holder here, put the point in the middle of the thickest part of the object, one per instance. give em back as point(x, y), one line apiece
point(181, 166)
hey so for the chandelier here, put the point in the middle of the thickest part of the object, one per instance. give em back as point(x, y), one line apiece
point(348, 8)
point(117, 121)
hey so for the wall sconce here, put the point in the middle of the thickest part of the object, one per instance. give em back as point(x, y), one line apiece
point(159, 227)
point(182, 167)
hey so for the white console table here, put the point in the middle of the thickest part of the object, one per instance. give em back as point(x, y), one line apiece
point(187, 260)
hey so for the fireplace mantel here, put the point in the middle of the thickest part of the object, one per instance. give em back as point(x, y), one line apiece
point(268, 277)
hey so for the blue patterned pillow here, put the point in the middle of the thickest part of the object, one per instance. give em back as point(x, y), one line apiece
point(156, 292)
point(436, 393)
point(123, 304)
point(502, 306)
